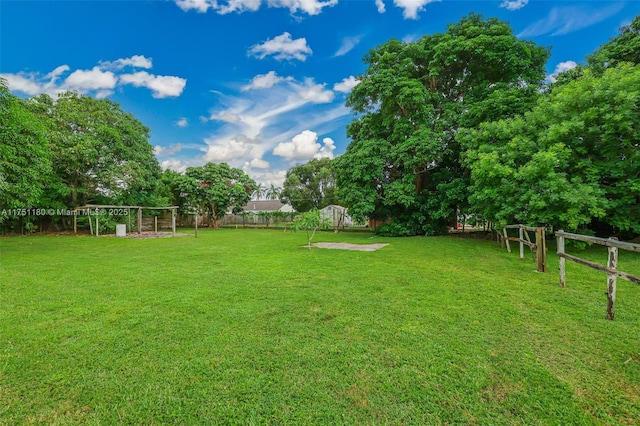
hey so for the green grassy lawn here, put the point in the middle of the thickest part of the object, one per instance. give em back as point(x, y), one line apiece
point(248, 327)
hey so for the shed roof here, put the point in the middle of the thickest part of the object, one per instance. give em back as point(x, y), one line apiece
point(263, 206)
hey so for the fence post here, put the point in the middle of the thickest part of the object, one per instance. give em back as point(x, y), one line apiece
point(139, 221)
point(506, 239)
point(173, 221)
point(521, 236)
point(611, 282)
point(560, 241)
point(540, 250)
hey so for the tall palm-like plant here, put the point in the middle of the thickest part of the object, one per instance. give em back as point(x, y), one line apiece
point(259, 192)
point(273, 192)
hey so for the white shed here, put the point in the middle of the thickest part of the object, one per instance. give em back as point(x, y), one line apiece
point(337, 215)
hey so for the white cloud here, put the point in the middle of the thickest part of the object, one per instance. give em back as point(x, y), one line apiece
point(412, 7)
point(233, 151)
point(198, 5)
point(136, 61)
point(83, 81)
point(560, 68)
point(327, 149)
point(267, 177)
point(161, 86)
point(53, 75)
point(254, 122)
point(178, 165)
point(304, 146)
point(315, 93)
point(23, 83)
point(310, 7)
point(93, 79)
point(565, 20)
point(265, 81)
point(282, 47)
point(251, 115)
point(167, 150)
point(514, 4)
point(256, 163)
point(183, 122)
point(346, 85)
point(238, 6)
point(348, 43)
point(97, 81)
point(380, 6)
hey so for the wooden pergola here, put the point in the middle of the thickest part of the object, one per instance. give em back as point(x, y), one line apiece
point(119, 211)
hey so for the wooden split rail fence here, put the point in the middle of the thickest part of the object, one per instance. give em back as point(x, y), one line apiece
point(538, 249)
point(612, 265)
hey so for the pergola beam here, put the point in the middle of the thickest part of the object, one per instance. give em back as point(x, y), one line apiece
point(88, 207)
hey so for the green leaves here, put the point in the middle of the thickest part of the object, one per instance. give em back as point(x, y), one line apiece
point(404, 161)
point(100, 153)
point(25, 156)
point(215, 189)
point(573, 161)
point(310, 221)
point(311, 185)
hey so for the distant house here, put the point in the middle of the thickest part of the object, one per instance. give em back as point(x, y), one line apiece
point(267, 206)
point(253, 213)
point(337, 215)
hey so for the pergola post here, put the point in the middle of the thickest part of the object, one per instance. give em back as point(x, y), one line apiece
point(173, 221)
point(139, 220)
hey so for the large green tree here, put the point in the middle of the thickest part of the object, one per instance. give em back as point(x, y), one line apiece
point(572, 162)
point(217, 188)
point(100, 153)
point(311, 185)
point(25, 157)
point(404, 159)
point(625, 47)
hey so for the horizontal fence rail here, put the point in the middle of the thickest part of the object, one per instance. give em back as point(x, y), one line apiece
point(538, 249)
point(612, 264)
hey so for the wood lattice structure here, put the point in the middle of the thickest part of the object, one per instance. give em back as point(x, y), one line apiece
point(100, 209)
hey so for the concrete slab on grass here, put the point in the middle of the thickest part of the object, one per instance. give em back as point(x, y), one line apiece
point(349, 246)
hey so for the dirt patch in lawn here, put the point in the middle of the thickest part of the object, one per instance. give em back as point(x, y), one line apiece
point(349, 246)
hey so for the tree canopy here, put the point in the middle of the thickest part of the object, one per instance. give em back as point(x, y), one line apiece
point(311, 185)
point(403, 162)
point(99, 152)
point(217, 188)
point(625, 47)
point(25, 156)
point(572, 162)
point(73, 150)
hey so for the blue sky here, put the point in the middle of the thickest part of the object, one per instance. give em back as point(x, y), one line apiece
point(259, 84)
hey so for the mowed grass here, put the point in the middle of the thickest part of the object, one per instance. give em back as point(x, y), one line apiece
point(248, 327)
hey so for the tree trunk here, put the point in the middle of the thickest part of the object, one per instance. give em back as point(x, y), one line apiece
point(215, 216)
